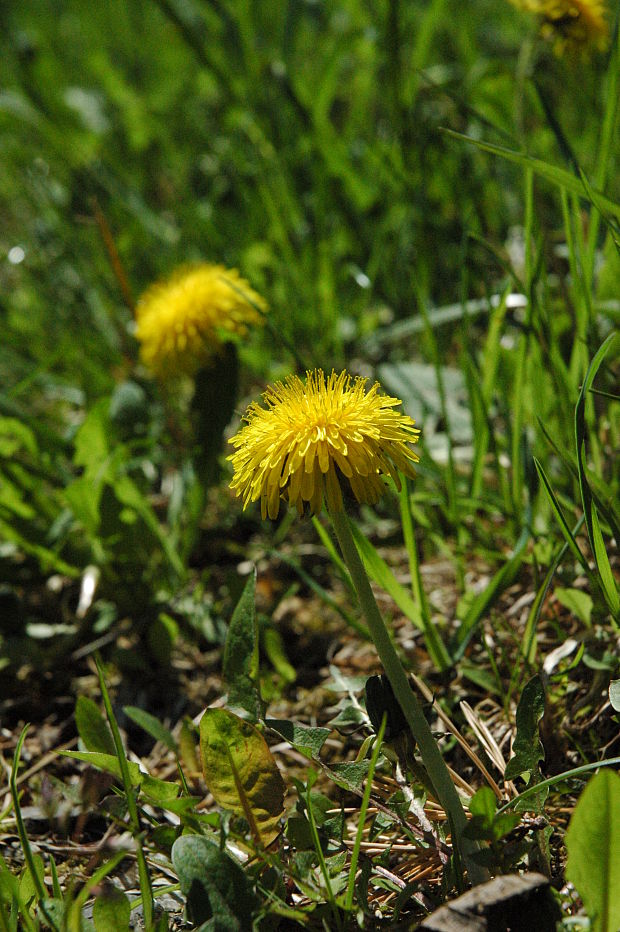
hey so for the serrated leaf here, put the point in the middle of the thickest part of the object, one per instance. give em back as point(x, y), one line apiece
point(111, 910)
point(307, 740)
point(241, 653)
point(92, 727)
point(215, 886)
point(527, 747)
point(593, 864)
point(241, 772)
point(349, 776)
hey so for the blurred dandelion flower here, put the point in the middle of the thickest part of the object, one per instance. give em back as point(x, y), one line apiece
point(312, 434)
point(571, 25)
point(182, 321)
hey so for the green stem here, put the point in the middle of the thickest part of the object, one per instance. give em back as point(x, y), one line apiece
point(408, 701)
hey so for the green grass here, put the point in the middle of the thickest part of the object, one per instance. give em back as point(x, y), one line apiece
point(423, 193)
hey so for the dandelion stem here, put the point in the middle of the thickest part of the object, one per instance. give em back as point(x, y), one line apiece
point(408, 701)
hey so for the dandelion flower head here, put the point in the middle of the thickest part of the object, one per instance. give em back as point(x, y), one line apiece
point(310, 435)
point(571, 25)
point(182, 321)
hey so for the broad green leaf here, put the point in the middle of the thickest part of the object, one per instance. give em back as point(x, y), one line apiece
point(92, 726)
point(217, 890)
point(160, 791)
point(614, 694)
point(593, 863)
point(241, 653)
point(484, 804)
point(308, 741)
point(527, 747)
point(576, 601)
point(151, 725)
point(9, 884)
point(240, 771)
point(433, 395)
point(111, 910)
point(91, 440)
point(349, 776)
point(84, 497)
point(108, 762)
point(28, 887)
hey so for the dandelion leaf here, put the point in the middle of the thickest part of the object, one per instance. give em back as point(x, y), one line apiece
point(593, 864)
point(241, 773)
point(241, 654)
point(527, 748)
point(217, 890)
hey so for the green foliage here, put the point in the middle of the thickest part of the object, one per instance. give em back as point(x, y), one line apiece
point(307, 741)
point(489, 826)
point(111, 910)
point(527, 747)
point(92, 727)
point(593, 864)
point(240, 664)
point(241, 772)
point(217, 889)
point(418, 192)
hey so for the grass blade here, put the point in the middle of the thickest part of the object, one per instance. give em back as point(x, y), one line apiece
point(558, 778)
point(484, 600)
point(143, 871)
point(608, 583)
point(362, 815)
point(23, 835)
point(559, 514)
point(558, 176)
point(581, 433)
point(434, 644)
point(528, 644)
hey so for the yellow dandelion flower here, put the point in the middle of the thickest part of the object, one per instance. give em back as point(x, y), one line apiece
point(571, 25)
point(312, 434)
point(182, 321)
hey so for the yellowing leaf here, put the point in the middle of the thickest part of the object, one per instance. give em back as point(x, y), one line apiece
point(241, 772)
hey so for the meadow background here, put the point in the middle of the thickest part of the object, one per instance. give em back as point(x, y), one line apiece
point(425, 193)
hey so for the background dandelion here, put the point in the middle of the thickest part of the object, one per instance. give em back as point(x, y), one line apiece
point(182, 321)
point(572, 26)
